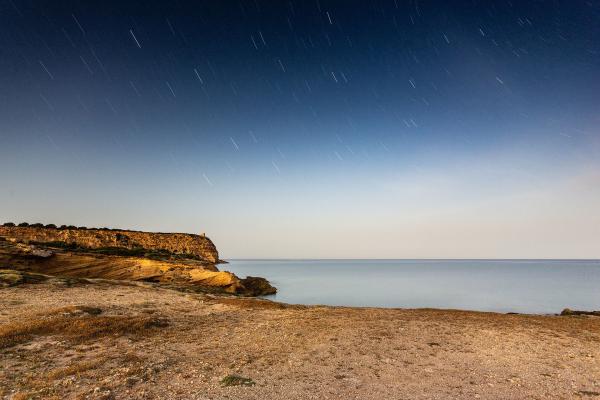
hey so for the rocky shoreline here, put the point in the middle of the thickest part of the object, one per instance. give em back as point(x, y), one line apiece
point(175, 259)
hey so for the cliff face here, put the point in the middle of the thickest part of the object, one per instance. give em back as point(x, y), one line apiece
point(179, 243)
point(22, 257)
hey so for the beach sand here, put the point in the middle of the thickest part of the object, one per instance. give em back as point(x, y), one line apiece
point(154, 343)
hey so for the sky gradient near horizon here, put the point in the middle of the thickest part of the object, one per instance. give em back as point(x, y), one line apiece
point(309, 129)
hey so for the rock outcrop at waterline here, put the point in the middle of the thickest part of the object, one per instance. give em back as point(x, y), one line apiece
point(198, 246)
point(37, 250)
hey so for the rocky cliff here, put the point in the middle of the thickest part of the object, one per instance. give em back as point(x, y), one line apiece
point(85, 264)
point(178, 243)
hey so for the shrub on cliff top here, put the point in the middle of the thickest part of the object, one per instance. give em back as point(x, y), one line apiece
point(67, 227)
point(37, 225)
point(50, 226)
point(8, 224)
point(23, 224)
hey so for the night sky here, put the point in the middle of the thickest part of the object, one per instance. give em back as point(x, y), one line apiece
point(388, 128)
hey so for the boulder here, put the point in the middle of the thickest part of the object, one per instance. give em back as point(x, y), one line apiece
point(256, 286)
point(568, 311)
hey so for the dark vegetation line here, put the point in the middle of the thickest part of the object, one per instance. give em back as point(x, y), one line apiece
point(62, 227)
point(155, 254)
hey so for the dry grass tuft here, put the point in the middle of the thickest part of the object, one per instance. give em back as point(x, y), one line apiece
point(24, 396)
point(76, 324)
point(44, 386)
point(73, 311)
point(75, 369)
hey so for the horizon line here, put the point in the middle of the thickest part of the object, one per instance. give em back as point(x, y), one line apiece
point(409, 259)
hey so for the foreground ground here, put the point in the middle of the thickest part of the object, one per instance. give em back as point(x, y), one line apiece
point(109, 341)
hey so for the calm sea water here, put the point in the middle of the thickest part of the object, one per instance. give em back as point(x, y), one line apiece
point(527, 286)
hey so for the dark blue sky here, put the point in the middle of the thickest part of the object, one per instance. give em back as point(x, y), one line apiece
point(295, 117)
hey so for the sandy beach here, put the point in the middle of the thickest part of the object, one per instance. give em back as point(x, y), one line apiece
point(139, 341)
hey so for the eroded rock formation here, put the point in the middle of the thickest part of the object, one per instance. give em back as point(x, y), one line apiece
point(108, 254)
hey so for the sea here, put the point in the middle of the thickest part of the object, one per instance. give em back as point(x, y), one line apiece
point(519, 286)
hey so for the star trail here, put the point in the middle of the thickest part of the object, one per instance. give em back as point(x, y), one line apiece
point(432, 128)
